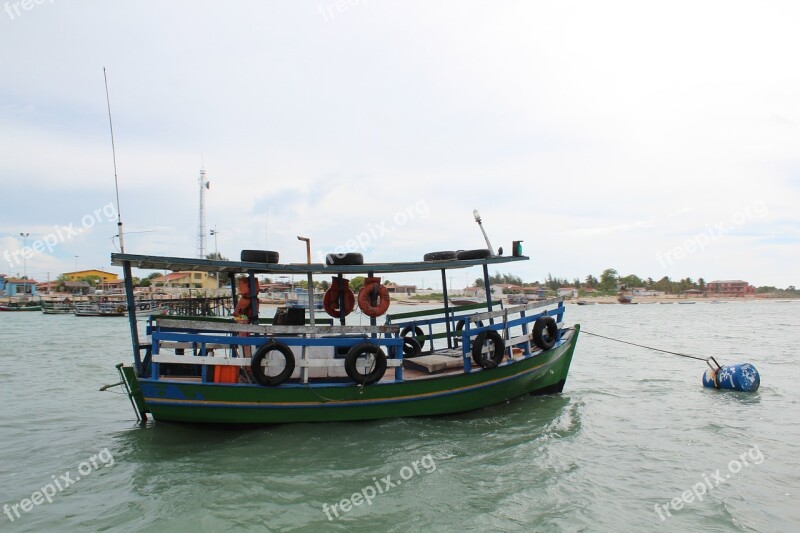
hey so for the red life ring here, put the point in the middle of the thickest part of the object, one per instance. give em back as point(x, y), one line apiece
point(365, 298)
point(331, 299)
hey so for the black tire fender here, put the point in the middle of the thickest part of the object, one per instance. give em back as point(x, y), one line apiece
point(440, 256)
point(260, 256)
point(344, 259)
point(411, 347)
point(481, 253)
point(258, 370)
point(499, 349)
point(545, 331)
point(351, 363)
point(417, 331)
point(460, 328)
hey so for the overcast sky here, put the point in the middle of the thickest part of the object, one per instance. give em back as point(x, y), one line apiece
point(653, 138)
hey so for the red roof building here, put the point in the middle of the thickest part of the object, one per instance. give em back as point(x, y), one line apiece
point(730, 288)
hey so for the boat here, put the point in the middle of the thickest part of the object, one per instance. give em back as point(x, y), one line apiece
point(57, 307)
point(20, 305)
point(624, 296)
point(687, 303)
point(100, 306)
point(250, 369)
point(517, 299)
point(584, 302)
point(464, 300)
point(300, 300)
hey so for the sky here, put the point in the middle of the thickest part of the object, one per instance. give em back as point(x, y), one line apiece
point(658, 139)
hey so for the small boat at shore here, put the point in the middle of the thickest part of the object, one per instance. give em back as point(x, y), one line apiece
point(100, 306)
point(20, 306)
point(57, 307)
point(292, 368)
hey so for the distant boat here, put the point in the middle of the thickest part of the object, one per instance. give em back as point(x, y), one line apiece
point(464, 301)
point(583, 302)
point(687, 303)
point(21, 306)
point(58, 307)
point(100, 307)
point(624, 298)
point(517, 299)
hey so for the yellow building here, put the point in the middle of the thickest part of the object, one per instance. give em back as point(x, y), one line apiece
point(99, 274)
point(185, 280)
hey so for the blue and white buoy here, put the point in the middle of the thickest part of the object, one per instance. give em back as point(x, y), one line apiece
point(741, 377)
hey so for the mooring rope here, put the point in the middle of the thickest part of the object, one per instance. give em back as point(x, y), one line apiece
point(648, 347)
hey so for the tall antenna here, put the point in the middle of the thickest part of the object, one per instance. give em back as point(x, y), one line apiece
point(201, 224)
point(114, 156)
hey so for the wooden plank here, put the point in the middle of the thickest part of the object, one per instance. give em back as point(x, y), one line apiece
point(213, 265)
point(513, 341)
point(246, 361)
point(433, 363)
point(233, 327)
point(197, 360)
point(515, 309)
point(228, 320)
point(431, 312)
point(190, 345)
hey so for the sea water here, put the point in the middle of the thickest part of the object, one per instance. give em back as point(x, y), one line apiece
point(634, 443)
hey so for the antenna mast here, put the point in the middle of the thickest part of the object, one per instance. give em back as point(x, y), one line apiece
point(201, 224)
point(114, 156)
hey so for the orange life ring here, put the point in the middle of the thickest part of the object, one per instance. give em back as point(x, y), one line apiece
point(331, 299)
point(365, 298)
point(244, 287)
point(245, 307)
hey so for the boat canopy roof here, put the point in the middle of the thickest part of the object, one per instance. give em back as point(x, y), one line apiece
point(213, 265)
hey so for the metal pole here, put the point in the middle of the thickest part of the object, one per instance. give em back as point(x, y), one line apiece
point(446, 307)
point(24, 258)
point(114, 157)
point(486, 238)
point(310, 280)
point(126, 269)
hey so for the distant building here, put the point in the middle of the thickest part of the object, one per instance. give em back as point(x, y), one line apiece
point(46, 287)
point(730, 288)
point(77, 287)
point(19, 287)
point(537, 292)
point(567, 292)
point(185, 280)
point(99, 274)
point(401, 289)
point(641, 291)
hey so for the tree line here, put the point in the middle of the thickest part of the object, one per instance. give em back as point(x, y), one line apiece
point(610, 281)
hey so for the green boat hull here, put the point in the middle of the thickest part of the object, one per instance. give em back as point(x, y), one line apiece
point(544, 373)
